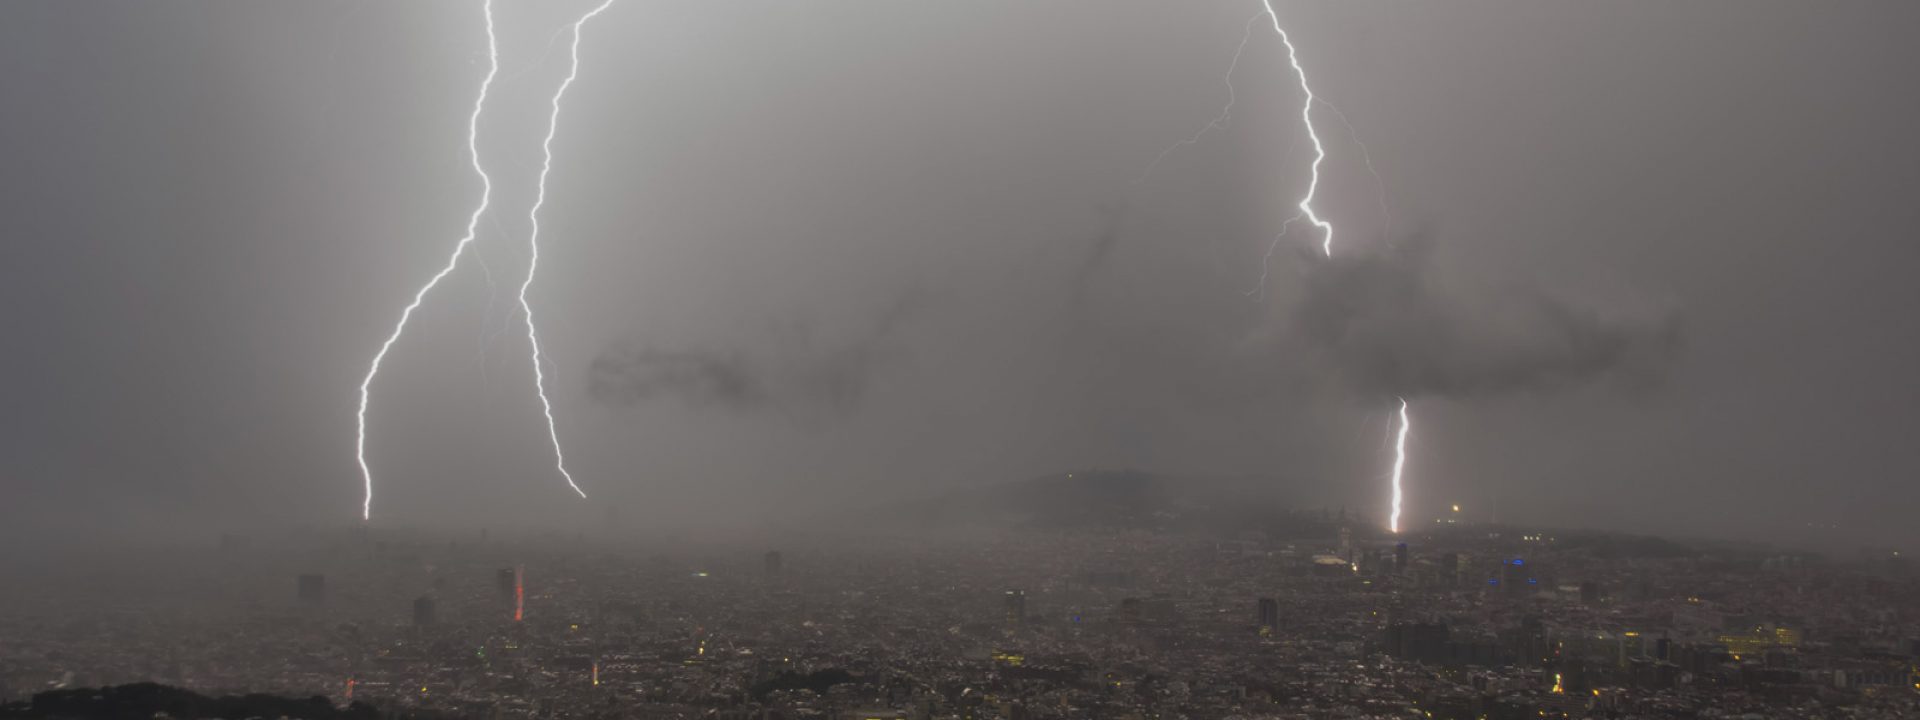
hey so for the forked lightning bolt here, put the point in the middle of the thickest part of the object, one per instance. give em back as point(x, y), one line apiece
point(1306, 116)
point(533, 240)
point(453, 261)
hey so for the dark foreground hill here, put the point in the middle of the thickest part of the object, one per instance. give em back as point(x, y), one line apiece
point(145, 701)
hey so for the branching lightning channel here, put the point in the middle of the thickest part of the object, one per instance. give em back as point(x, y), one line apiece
point(1306, 116)
point(533, 241)
point(453, 261)
point(1366, 158)
point(1399, 464)
point(1219, 122)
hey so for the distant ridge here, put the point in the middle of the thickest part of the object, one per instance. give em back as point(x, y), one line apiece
point(1102, 499)
point(144, 701)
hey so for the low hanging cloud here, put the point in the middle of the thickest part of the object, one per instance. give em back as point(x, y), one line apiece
point(626, 374)
point(791, 375)
point(1391, 330)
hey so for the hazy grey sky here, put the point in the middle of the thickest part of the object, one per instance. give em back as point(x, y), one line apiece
point(1649, 264)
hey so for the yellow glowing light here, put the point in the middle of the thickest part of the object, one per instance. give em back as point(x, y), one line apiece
point(1456, 508)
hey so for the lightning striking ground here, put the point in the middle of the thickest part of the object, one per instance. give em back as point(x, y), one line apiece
point(453, 261)
point(1326, 247)
point(533, 241)
point(1399, 464)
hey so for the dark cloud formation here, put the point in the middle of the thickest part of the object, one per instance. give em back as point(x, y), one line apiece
point(791, 373)
point(626, 374)
point(1391, 329)
point(1102, 245)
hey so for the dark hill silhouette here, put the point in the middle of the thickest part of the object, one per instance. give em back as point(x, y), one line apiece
point(144, 701)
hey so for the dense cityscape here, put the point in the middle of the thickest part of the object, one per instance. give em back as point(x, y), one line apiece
point(1317, 615)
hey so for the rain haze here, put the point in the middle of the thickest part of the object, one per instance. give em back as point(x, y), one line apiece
point(1635, 266)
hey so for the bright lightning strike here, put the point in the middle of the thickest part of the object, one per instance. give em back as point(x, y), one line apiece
point(473, 221)
point(1306, 116)
point(1399, 464)
point(1326, 246)
point(533, 240)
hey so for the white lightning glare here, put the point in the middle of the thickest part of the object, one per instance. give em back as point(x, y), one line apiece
point(533, 241)
point(1306, 116)
point(1399, 463)
point(473, 221)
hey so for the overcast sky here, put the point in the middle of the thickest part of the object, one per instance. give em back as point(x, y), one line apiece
point(1642, 265)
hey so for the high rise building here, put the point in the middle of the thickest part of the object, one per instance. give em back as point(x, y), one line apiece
point(503, 582)
point(1400, 557)
point(1590, 592)
point(1269, 614)
point(1016, 605)
point(313, 588)
point(423, 610)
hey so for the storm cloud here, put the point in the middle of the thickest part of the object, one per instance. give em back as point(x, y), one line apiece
point(1391, 329)
point(786, 368)
point(626, 374)
point(216, 211)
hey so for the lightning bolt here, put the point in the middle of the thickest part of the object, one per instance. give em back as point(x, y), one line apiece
point(1399, 464)
point(1306, 117)
point(533, 242)
point(453, 261)
point(1366, 158)
point(1326, 246)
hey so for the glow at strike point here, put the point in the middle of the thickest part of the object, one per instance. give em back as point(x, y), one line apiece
point(1326, 245)
point(1399, 464)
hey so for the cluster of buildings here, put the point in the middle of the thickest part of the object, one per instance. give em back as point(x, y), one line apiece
point(1326, 620)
